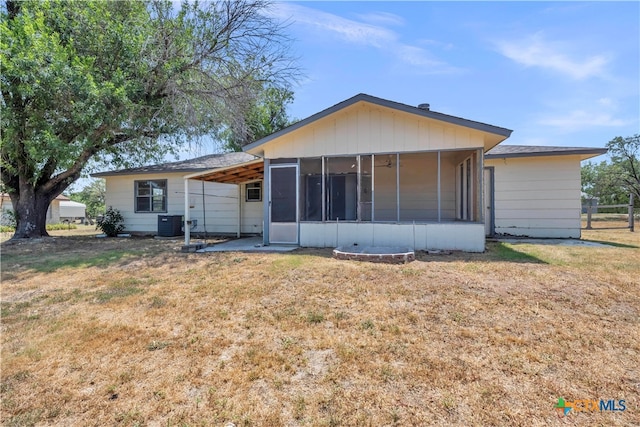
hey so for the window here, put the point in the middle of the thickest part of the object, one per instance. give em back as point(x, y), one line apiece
point(254, 192)
point(151, 196)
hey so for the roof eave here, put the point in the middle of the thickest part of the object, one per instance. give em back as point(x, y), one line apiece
point(583, 153)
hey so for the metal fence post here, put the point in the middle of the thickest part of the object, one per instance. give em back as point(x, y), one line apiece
point(631, 212)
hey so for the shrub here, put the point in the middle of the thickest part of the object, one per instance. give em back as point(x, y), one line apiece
point(9, 219)
point(62, 226)
point(111, 222)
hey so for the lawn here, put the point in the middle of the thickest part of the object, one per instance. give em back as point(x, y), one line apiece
point(134, 332)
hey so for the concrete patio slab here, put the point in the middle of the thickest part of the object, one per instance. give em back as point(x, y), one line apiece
point(247, 244)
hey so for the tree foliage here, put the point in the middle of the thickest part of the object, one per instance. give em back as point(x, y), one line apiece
point(123, 83)
point(92, 196)
point(612, 181)
point(266, 116)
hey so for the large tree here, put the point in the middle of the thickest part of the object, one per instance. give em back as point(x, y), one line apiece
point(612, 181)
point(123, 83)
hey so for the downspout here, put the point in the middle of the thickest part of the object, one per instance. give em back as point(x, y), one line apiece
point(187, 219)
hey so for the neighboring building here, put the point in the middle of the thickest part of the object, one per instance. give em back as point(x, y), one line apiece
point(72, 211)
point(53, 213)
point(367, 171)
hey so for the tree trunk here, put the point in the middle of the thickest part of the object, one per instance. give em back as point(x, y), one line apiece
point(31, 211)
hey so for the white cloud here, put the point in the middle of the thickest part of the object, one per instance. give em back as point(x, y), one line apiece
point(362, 33)
point(535, 51)
point(583, 119)
point(382, 18)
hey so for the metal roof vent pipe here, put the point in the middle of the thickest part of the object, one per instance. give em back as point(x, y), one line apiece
point(424, 106)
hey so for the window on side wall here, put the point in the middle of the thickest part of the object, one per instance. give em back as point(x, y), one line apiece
point(151, 196)
point(254, 192)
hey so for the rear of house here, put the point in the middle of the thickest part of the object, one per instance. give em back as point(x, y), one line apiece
point(370, 172)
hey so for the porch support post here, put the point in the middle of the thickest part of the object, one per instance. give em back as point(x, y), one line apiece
point(239, 210)
point(266, 204)
point(397, 187)
point(187, 217)
point(480, 181)
point(439, 209)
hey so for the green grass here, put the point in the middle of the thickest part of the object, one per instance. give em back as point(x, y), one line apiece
point(507, 252)
point(49, 263)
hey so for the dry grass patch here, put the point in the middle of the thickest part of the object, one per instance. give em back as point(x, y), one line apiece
point(133, 332)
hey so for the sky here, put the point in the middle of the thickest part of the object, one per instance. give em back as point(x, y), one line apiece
point(556, 73)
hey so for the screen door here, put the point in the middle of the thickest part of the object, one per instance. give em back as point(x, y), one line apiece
point(283, 203)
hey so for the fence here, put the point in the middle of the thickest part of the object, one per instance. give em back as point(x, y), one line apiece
point(590, 207)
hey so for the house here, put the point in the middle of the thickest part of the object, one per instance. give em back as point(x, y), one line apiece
point(366, 171)
point(53, 213)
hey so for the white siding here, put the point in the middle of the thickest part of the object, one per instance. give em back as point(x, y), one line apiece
point(467, 237)
point(220, 205)
point(365, 128)
point(537, 196)
point(251, 215)
point(70, 209)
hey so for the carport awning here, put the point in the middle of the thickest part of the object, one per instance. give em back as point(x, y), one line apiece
point(236, 174)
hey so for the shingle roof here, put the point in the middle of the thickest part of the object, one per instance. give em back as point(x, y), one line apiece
point(203, 163)
point(505, 151)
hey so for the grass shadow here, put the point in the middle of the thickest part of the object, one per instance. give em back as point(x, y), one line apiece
point(499, 251)
point(614, 244)
point(52, 262)
point(52, 254)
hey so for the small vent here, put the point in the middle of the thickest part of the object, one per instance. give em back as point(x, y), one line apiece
point(424, 107)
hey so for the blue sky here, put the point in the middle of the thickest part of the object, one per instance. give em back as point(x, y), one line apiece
point(564, 73)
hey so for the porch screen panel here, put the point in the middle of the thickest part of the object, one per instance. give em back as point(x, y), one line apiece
point(311, 189)
point(450, 183)
point(341, 188)
point(419, 187)
point(366, 189)
point(385, 195)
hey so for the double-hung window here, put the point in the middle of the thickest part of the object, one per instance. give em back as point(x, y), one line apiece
point(151, 195)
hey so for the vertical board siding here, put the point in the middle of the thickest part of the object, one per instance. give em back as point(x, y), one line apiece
point(537, 196)
point(364, 128)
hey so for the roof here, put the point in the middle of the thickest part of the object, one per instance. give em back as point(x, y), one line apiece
point(72, 204)
point(503, 132)
point(211, 161)
point(509, 151)
point(60, 197)
point(236, 174)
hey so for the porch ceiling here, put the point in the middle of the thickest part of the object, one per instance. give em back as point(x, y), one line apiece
point(237, 174)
